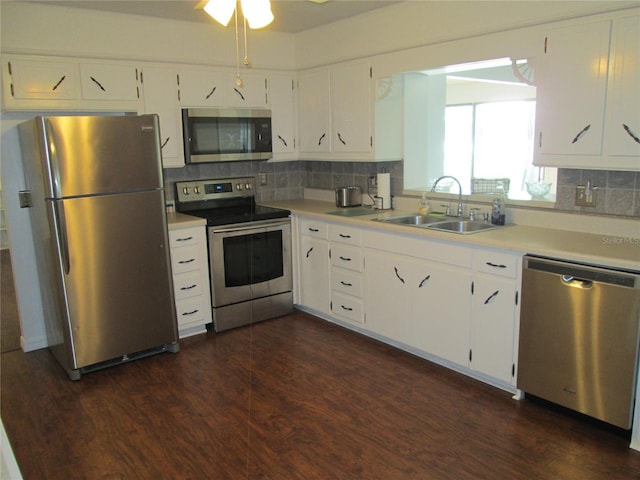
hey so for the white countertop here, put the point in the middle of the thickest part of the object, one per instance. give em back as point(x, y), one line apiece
point(180, 220)
point(594, 249)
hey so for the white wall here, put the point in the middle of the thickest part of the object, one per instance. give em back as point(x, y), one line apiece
point(52, 30)
point(418, 23)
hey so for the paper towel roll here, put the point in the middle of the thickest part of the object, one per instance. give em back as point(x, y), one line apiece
point(384, 191)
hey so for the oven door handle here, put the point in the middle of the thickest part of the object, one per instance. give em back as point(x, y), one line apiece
point(250, 226)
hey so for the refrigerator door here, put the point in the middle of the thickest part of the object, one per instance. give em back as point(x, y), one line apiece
point(115, 269)
point(100, 155)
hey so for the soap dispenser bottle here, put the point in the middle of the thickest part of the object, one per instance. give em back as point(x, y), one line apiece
point(498, 212)
point(423, 206)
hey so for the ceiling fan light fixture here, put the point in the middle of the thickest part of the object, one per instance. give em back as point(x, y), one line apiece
point(221, 10)
point(257, 12)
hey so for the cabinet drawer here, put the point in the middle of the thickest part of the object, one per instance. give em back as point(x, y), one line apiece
point(184, 236)
point(191, 312)
point(496, 263)
point(347, 307)
point(345, 256)
point(188, 284)
point(313, 228)
point(345, 234)
point(346, 281)
point(186, 259)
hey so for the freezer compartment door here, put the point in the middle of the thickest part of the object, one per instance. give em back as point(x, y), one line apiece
point(116, 274)
point(96, 155)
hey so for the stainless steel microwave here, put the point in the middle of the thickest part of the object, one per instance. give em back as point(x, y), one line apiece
point(226, 135)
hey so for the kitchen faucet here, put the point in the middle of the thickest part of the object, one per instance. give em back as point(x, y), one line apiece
point(433, 189)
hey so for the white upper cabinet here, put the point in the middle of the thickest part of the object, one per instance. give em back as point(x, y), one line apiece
point(249, 92)
point(201, 88)
point(52, 83)
point(108, 82)
point(282, 99)
point(161, 97)
point(314, 106)
point(350, 108)
point(588, 99)
point(339, 110)
point(622, 126)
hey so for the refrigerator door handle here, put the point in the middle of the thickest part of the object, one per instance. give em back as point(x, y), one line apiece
point(63, 240)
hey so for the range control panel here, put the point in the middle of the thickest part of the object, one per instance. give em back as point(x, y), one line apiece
point(200, 190)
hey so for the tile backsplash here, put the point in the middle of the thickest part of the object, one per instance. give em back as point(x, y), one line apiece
point(617, 193)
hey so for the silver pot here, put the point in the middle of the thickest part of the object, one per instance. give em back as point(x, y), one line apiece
point(349, 196)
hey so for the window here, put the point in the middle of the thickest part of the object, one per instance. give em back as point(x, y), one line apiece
point(491, 140)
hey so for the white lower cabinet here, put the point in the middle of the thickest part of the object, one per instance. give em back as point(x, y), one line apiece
point(313, 265)
point(346, 273)
point(190, 267)
point(455, 303)
point(494, 314)
point(421, 303)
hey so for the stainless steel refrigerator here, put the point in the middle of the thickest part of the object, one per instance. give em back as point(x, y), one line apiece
point(96, 198)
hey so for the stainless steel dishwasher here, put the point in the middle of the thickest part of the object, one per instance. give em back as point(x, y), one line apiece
point(579, 337)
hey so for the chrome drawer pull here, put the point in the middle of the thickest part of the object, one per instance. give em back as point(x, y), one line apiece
point(185, 239)
point(346, 284)
point(496, 265)
point(346, 259)
point(189, 287)
point(190, 313)
point(346, 308)
point(187, 261)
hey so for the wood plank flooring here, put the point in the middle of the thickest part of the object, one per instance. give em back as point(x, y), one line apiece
point(291, 398)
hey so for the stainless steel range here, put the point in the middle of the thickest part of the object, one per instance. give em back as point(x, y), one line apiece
point(249, 250)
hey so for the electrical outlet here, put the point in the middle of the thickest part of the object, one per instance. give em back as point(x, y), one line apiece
point(584, 197)
point(263, 178)
point(373, 181)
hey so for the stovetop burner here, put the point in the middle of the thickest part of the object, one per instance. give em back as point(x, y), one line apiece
point(223, 201)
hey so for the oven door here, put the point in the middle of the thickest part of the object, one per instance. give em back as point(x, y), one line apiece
point(249, 260)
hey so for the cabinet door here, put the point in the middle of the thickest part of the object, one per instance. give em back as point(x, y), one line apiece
point(251, 92)
point(314, 111)
point(387, 294)
point(492, 326)
point(42, 80)
point(201, 88)
point(283, 114)
point(314, 273)
point(622, 130)
point(351, 111)
point(571, 94)
point(101, 81)
point(441, 310)
point(161, 97)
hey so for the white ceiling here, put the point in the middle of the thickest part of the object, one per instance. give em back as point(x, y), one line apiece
point(291, 16)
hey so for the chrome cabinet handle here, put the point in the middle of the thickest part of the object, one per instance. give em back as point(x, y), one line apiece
point(341, 140)
point(424, 280)
point(398, 275)
point(630, 133)
point(98, 84)
point(492, 297)
point(321, 138)
point(581, 133)
point(283, 141)
point(164, 143)
point(309, 252)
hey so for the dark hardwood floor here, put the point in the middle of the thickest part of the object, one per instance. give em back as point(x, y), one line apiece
point(290, 398)
point(9, 323)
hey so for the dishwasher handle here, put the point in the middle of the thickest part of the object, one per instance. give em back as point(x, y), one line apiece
point(583, 273)
point(570, 281)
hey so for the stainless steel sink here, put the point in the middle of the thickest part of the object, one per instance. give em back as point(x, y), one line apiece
point(462, 226)
point(412, 219)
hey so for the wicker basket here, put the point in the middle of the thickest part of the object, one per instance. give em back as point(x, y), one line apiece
point(490, 185)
